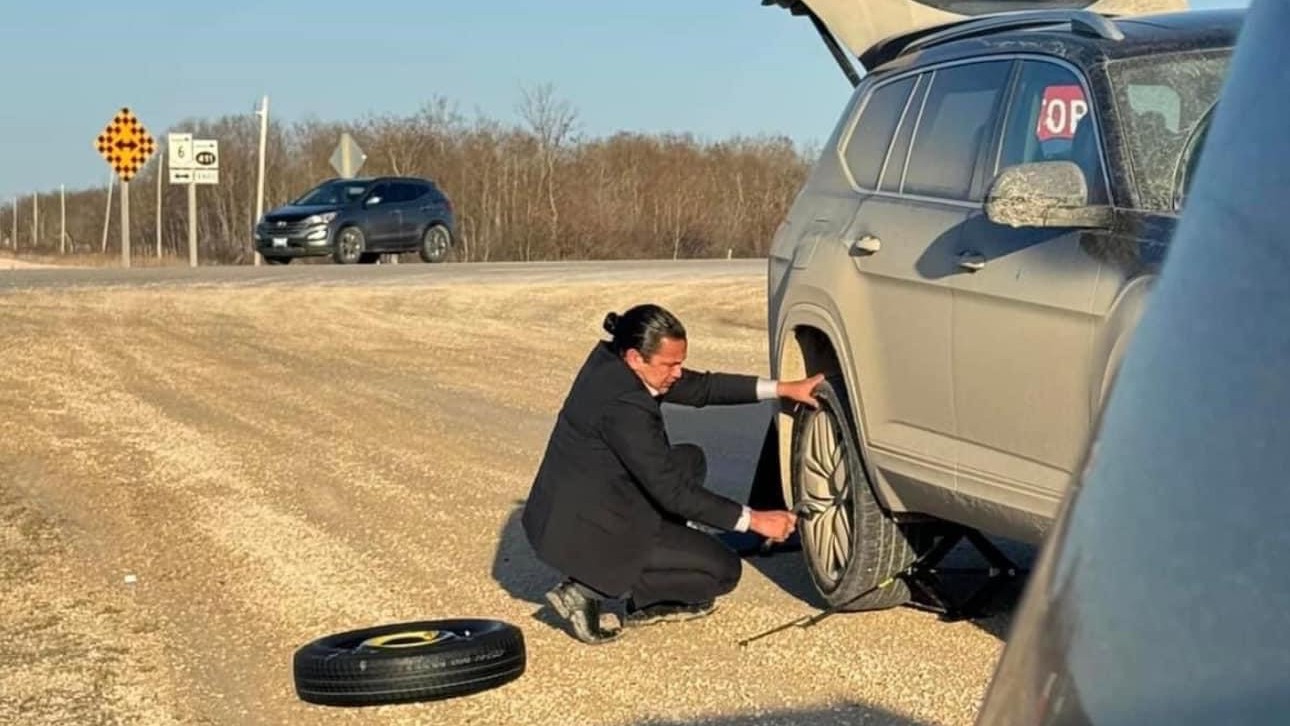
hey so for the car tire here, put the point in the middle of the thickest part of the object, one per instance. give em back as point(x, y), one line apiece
point(853, 544)
point(350, 244)
point(404, 662)
point(436, 244)
point(277, 260)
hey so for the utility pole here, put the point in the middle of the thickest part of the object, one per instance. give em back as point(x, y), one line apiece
point(263, 113)
point(161, 172)
point(35, 220)
point(62, 219)
point(107, 214)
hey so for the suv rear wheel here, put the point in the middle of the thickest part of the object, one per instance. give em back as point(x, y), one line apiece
point(851, 544)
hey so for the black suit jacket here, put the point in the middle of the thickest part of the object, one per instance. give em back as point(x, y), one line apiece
point(607, 480)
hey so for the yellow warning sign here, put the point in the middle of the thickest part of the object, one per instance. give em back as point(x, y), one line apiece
point(125, 144)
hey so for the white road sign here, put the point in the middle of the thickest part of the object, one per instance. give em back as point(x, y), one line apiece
point(206, 161)
point(180, 148)
point(193, 161)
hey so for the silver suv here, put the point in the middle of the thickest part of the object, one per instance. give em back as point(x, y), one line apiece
point(966, 262)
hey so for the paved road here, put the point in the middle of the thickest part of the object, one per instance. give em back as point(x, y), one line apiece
point(380, 275)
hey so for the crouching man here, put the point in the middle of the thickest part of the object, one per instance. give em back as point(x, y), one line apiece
point(610, 502)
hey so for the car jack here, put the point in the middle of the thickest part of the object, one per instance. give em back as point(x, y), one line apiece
point(923, 577)
point(931, 594)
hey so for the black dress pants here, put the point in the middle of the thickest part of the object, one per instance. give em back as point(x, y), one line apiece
point(686, 566)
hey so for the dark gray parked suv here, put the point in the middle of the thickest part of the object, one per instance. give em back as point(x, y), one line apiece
point(358, 220)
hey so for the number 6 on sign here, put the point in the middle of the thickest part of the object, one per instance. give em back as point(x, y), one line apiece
point(181, 150)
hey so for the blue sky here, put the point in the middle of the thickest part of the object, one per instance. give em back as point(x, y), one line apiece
point(711, 67)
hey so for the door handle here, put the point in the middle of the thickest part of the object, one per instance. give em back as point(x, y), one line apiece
point(866, 245)
point(971, 261)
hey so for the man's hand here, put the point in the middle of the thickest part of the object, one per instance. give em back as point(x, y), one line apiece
point(774, 526)
point(802, 391)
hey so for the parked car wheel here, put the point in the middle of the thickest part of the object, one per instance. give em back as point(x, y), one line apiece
point(436, 243)
point(277, 260)
point(350, 244)
point(852, 543)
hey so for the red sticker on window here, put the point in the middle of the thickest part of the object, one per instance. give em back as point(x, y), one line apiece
point(1062, 109)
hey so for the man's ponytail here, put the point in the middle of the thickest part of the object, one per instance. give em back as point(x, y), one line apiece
point(643, 328)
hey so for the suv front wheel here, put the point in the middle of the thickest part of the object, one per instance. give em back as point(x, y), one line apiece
point(851, 544)
point(436, 242)
point(350, 244)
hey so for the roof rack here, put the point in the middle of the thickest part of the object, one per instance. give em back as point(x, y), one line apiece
point(1083, 22)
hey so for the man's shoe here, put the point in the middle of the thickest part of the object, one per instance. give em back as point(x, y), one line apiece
point(582, 613)
point(667, 613)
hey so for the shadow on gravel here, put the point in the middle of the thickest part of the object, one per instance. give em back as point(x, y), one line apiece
point(846, 714)
point(515, 567)
point(519, 571)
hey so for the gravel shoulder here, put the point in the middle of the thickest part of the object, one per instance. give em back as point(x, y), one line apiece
point(267, 464)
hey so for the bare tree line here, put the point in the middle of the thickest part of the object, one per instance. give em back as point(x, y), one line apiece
point(533, 190)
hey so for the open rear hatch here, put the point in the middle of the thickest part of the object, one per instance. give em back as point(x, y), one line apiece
point(872, 31)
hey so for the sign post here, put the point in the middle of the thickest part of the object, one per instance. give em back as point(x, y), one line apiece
point(126, 146)
point(193, 162)
point(180, 147)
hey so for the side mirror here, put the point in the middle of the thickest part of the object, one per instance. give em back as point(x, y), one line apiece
point(371, 201)
point(1043, 194)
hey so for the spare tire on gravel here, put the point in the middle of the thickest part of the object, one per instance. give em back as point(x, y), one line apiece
point(402, 662)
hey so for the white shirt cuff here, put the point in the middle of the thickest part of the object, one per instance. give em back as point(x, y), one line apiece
point(745, 519)
point(767, 388)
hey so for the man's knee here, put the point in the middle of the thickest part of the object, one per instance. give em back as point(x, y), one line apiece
point(729, 572)
point(691, 459)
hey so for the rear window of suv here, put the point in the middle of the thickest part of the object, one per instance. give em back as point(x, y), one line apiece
point(1161, 100)
point(405, 192)
point(866, 149)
